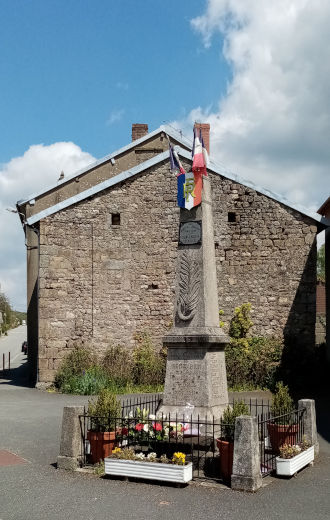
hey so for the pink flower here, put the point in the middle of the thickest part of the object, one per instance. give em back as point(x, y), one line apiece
point(157, 426)
point(139, 427)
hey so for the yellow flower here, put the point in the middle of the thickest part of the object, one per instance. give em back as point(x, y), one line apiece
point(179, 458)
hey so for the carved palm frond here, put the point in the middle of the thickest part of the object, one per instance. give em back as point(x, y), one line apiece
point(189, 283)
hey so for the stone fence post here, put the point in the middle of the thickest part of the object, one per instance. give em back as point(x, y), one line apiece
point(246, 474)
point(70, 455)
point(310, 430)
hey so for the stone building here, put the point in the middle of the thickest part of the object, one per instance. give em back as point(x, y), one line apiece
point(324, 210)
point(102, 248)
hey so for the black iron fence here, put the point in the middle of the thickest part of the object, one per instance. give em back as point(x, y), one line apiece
point(142, 428)
point(274, 431)
point(163, 435)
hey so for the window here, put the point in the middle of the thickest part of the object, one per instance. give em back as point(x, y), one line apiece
point(115, 219)
point(231, 216)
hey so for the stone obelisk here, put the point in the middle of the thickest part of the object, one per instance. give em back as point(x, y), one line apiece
point(196, 370)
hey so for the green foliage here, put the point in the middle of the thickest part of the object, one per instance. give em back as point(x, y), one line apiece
point(229, 417)
point(321, 263)
point(120, 370)
point(104, 410)
point(282, 401)
point(148, 365)
point(99, 468)
point(241, 323)
point(75, 365)
point(117, 364)
point(88, 382)
point(253, 362)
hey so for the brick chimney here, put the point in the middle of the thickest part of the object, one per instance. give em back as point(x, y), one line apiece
point(205, 127)
point(139, 130)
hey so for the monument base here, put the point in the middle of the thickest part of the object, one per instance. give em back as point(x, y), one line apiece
point(196, 382)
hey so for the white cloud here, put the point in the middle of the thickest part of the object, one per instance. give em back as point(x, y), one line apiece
point(39, 167)
point(273, 123)
point(115, 116)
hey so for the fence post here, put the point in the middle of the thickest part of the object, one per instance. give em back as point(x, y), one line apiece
point(246, 474)
point(71, 455)
point(310, 430)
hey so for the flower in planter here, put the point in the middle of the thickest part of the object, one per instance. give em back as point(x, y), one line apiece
point(179, 458)
point(288, 451)
point(139, 456)
point(152, 457)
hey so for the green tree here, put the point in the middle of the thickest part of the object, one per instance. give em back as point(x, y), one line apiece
point(6, 311)
point(321, 263)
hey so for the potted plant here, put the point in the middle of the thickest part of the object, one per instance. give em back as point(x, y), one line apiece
point(281, 428)
point(126, 463)
point(293, 458)
point(103, 414)
point(226, 441)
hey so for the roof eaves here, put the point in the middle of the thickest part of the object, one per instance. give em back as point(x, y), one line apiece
point(97, 188)
point(323, 207)
point(171, 132)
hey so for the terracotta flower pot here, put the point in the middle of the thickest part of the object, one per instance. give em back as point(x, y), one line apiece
point(102, 444)
point(280, 434)
point(226, 451)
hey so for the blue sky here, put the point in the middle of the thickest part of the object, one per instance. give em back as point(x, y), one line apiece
point(84, 71)
point(76, 74)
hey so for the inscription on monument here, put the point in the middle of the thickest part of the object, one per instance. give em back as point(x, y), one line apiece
point(190, 233)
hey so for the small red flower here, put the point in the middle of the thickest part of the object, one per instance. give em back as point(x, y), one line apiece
point(139, 427)
point(157, 426)
point(124, 431)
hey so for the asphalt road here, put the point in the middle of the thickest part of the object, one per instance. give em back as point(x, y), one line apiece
point(30, 422)
point(13, 344)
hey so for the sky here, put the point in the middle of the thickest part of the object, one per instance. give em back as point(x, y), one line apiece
point(76, 74)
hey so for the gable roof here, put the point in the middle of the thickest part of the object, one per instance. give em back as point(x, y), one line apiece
point(176, 135)
point(212, 166)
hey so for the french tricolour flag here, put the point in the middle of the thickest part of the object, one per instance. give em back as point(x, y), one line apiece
point(199, 154)
point(189, 189)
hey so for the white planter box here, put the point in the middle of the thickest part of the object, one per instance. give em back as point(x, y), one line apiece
point(148, 470)
point(288, 467)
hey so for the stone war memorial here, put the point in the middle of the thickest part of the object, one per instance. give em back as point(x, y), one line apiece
point(191, 431)
point(196, 369)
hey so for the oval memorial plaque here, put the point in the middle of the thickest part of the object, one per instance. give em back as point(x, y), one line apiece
point(190, 233)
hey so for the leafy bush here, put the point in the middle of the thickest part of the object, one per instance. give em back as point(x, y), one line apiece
point(229, 418)
point(117, 364)
point(120, 370)
point(104, 410)
point(253, 362)
point(241, 323)
point(76, 363)
point(149, 365)
point(89, 382)
point(282, 401)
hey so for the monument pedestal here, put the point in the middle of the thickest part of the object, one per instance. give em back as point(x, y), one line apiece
point(195, 376)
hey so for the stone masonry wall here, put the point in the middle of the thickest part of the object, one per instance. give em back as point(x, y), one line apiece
point(102, 283)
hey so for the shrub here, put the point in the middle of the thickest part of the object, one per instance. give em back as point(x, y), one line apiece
point(104, 410)
point(89, 382)
point(75, 363)
point(241, 323)
point(229, 418)
point(117, 364)
point(253, 362)
point(149, 365)
point(282, 401)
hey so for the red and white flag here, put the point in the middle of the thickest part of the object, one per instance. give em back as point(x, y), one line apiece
point(199, 153)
